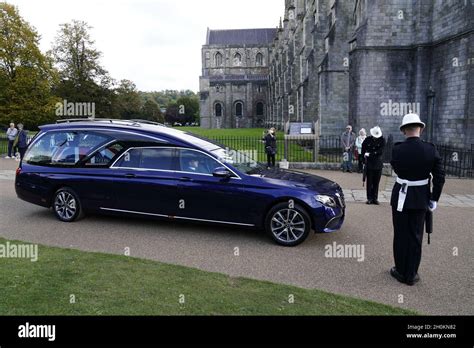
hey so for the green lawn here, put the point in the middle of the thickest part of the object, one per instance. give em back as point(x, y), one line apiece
point(106, 284)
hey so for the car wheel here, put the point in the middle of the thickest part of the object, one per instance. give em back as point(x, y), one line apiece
point(66, 205)
point(288, 226)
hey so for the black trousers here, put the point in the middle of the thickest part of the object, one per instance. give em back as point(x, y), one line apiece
point(408, 229)
point(360, 162)
point(22, 151)
point(373, 181)
point(11, 150)
point(270, 160)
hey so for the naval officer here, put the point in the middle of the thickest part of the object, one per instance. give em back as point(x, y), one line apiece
point(414, 161)
point(372, 150)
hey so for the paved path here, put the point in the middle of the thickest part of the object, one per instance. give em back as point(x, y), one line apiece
point(446, 274)
point(355, 193)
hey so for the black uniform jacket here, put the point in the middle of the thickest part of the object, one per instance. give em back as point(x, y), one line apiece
point(374, 146)
point(414, 159)
point(270, 144)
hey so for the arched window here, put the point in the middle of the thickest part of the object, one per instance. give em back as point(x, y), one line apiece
point(218, 110)
point(237, 59)
point(239, 109)
point(218, 59)
point(260, 109)
point(259, 59)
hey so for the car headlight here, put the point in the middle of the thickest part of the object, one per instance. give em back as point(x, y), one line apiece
point(326, 200)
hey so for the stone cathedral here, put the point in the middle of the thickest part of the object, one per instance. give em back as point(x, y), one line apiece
point(234, 81)
point(339, 62)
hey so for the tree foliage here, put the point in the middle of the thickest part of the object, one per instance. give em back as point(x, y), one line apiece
point(26, 75)
point(33, 83)
point(127, 102)
point(151, 111)
point(82, 78)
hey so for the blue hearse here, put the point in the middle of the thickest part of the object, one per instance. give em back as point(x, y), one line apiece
point(135, 167)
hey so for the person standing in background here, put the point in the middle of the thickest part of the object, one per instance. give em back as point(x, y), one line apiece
point(358, 143)
point(347, 142)
point(372, 150)
point(12, 132)
point(270, 147)
point(21, 140)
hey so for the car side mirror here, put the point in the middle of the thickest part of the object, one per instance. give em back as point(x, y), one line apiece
point(222, 172)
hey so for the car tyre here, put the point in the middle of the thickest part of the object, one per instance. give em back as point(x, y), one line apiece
point(288, 226)
point(66, 205)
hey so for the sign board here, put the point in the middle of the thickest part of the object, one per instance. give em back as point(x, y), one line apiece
point(301, 128)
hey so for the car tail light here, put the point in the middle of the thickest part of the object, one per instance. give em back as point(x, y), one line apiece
point(18, 171)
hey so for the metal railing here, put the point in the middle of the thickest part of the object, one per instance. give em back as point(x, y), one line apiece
point(457, 162)
point(4, 143)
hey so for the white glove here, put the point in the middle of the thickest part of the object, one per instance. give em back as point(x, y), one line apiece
point(432, 206)
point(367, 154)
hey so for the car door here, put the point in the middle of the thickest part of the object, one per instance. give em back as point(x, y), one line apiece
point(145, 182)
point(203, 196)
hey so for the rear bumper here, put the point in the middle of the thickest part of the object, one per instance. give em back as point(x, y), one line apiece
point(26, 192)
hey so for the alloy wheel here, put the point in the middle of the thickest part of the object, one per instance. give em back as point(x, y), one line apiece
point(65, 205)
point(288, 225)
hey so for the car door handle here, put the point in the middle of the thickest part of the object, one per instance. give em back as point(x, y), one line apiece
point(130, 176)
point(185, 178)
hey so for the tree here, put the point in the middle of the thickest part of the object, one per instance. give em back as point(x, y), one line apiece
point(127, 102)
point(75, 55)
point(171, 115)
point(82, 78)
point(188, 109)
point(26, 74)
point(151, 111)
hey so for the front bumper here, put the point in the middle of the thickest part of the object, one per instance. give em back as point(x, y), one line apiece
point(329, 219)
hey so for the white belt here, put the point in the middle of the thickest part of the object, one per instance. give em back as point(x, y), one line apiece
point(403, 190)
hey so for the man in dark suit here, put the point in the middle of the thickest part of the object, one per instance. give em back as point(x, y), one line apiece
point(372, 150)
point(414, 161)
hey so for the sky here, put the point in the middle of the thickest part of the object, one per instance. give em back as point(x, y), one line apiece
point(154, 43)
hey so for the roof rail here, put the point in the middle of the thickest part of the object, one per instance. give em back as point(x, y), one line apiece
point(67, 120)
point(110, 120)
point(148, 122)
point(134, 122)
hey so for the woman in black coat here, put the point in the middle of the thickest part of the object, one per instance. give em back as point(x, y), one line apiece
point(372, 150)
point(270, 147)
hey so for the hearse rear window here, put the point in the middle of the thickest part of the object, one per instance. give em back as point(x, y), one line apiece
point(64, 147)
point(103, 157)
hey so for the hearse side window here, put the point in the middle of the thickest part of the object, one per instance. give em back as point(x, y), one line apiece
point(196, 162)
point(64, 147)
point(103, 157)
point(148, 158)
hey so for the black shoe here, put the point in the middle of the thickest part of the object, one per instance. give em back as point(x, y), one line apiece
point(416, 279)
point(394, 273)
point(368, 202)
point(376, 202)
